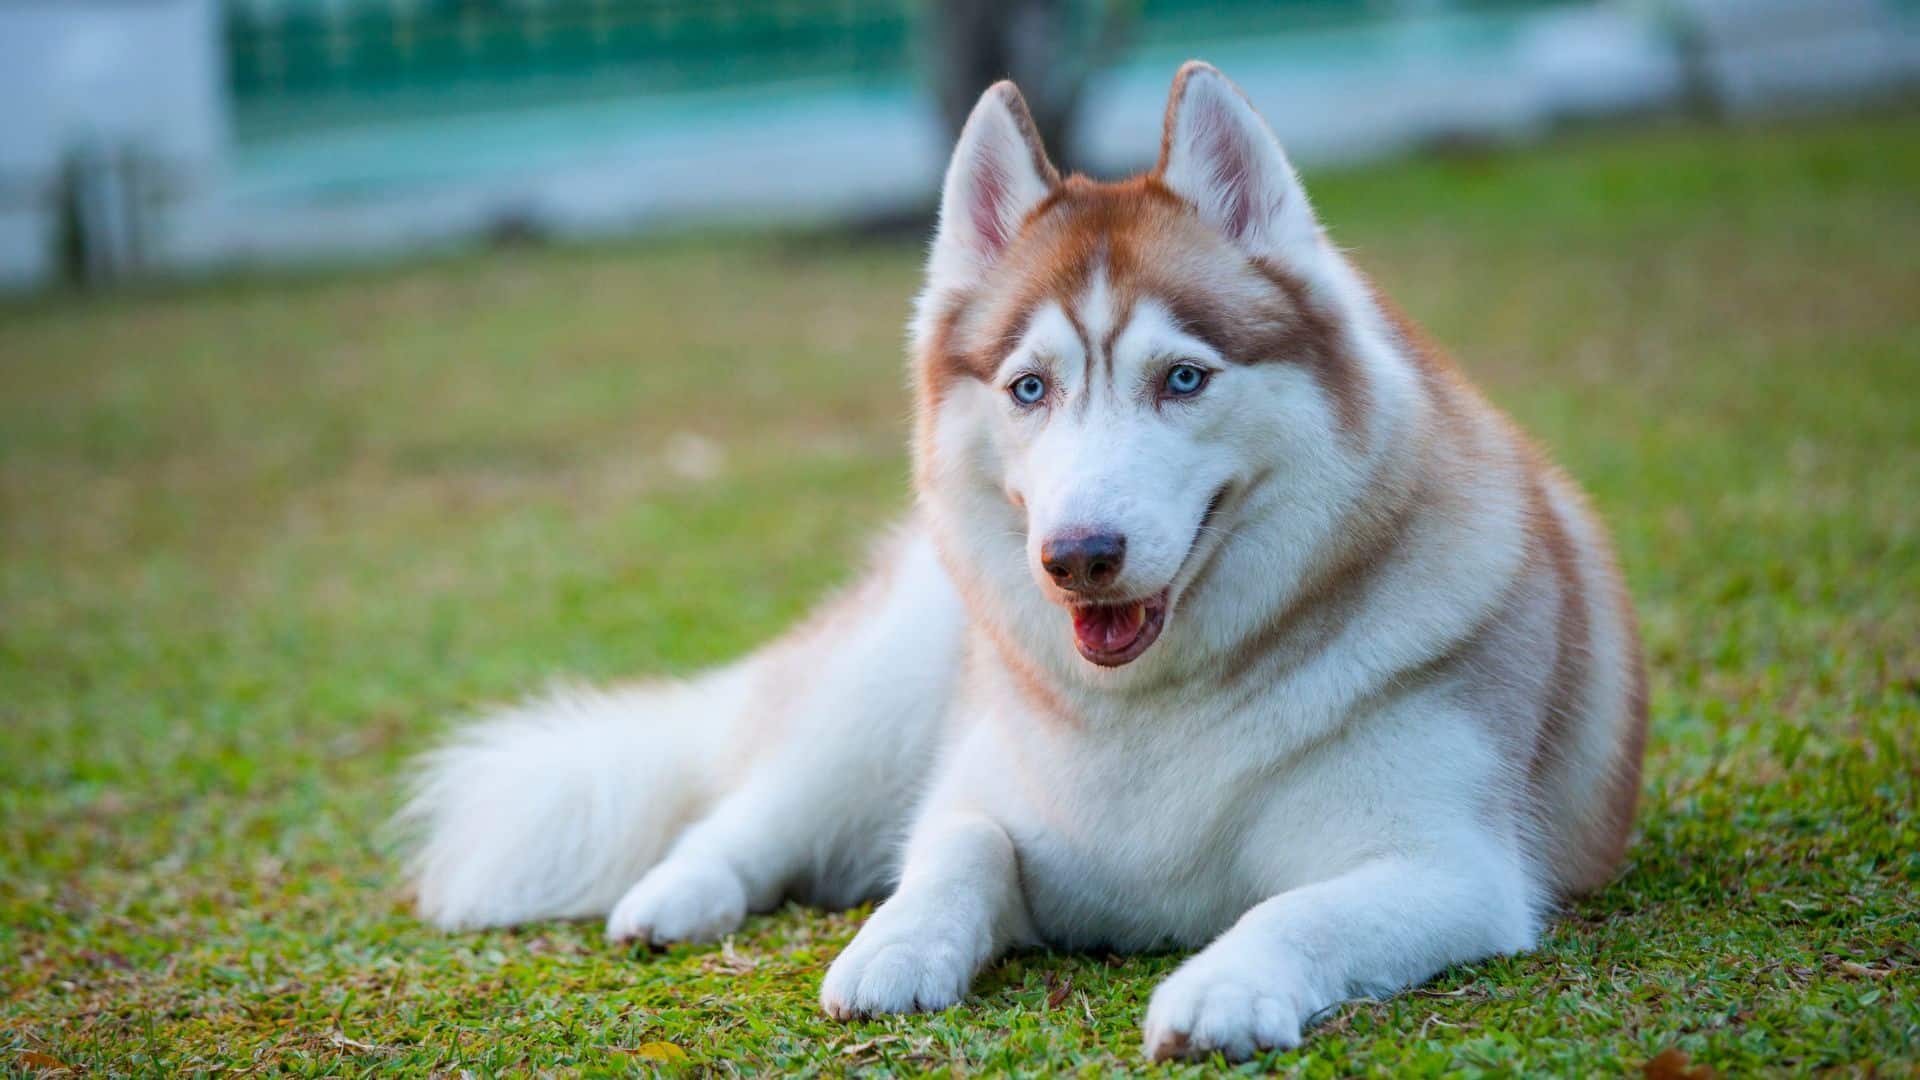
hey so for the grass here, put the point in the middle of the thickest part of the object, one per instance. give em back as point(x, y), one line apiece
point(259, 539)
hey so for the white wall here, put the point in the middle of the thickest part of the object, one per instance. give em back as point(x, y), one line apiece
point(144, 75)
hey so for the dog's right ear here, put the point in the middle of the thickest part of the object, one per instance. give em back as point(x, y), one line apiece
point(999, 172)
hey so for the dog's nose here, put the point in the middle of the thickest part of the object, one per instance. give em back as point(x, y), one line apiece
point(1085, 561)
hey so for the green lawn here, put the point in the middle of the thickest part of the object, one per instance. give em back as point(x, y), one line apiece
point(261, 539)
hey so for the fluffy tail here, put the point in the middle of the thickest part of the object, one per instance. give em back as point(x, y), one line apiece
point(554, 808)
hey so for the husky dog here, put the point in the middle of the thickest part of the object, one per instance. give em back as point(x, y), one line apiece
point(1229, 617)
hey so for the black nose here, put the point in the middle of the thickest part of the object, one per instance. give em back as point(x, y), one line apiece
point(1086, 561)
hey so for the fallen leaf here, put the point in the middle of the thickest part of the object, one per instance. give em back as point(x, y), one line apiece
point(1060, 992)
point(1673, 1064)
point(660, 1051)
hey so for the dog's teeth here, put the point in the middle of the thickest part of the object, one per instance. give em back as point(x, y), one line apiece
point(1137, 615)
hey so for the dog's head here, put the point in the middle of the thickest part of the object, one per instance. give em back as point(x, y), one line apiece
point(1113, 376)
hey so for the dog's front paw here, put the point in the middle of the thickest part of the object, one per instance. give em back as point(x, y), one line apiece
point(1239, 1011)
point(899, 964)
point(682, 899)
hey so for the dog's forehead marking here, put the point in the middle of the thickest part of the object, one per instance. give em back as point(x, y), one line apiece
point(1121, 243)
point(1151, 329)
point(1100, 321)
point(1097, 323)
point(1052, 333)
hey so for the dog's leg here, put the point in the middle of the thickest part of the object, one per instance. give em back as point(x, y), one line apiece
point(847, 721)
point(739, 858)
point(1384, 926)
point(958, 905)
point(783, 825)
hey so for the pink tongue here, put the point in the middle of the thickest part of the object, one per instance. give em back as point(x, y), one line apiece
point(1108, 629)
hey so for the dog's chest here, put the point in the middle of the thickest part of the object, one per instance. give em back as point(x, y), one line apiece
point(1114, 854)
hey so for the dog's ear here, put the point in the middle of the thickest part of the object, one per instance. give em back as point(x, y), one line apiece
point(1218, 154)
point(999, 172)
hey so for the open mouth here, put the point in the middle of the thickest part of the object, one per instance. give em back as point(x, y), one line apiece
point(1114, 634)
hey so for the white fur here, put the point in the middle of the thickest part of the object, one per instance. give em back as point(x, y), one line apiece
point(676, 809)
point(553, 808)
point(1337, 816)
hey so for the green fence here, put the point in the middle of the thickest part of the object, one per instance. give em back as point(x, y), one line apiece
point(308, 59)
point(303, 61)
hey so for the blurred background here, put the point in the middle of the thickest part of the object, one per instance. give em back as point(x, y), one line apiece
point(155, 135)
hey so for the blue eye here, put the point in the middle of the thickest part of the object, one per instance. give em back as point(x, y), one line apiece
point(1185, 380)
point(1028, 389)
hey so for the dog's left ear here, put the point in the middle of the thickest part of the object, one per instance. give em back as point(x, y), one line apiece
point(1219, 155)
point(999, 172)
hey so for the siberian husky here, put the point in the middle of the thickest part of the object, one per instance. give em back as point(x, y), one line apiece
point(1229, 617)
